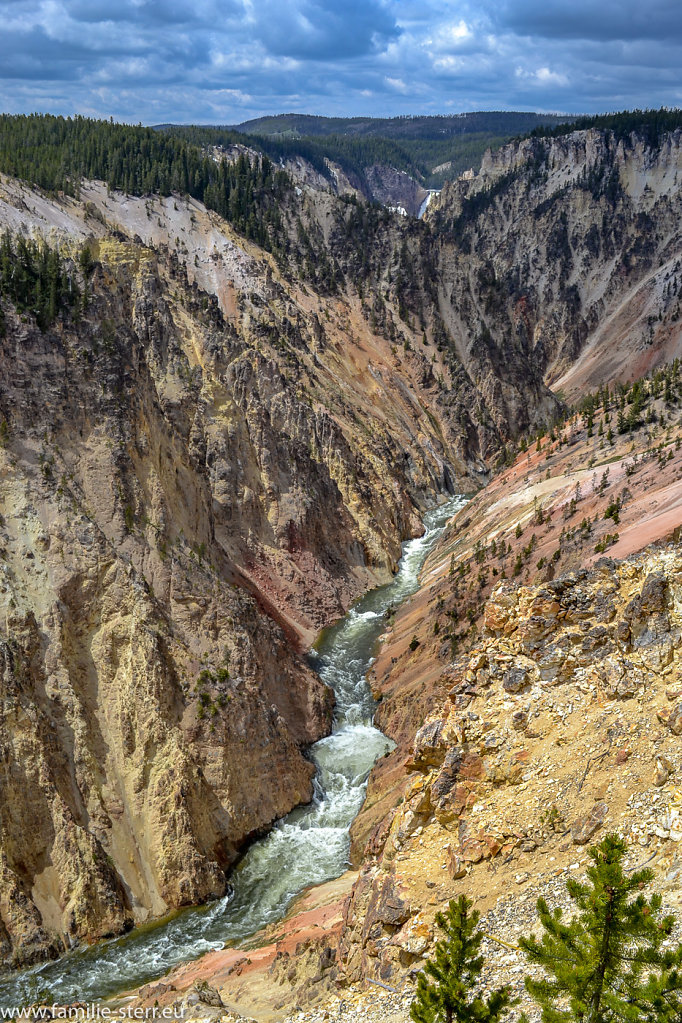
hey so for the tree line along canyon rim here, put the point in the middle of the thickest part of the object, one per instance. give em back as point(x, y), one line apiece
point(339, 558)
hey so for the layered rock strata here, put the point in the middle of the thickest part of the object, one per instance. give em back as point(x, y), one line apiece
point(559, 723)
point(192, 483)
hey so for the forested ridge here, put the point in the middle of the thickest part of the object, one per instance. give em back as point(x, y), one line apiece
point(429, 149)
point(419, 145)
point(417, 157)
point(251, 193)
point(56, 153)
point(352, 154)
point(259, 200)
point(411, 126)
point(649, 125)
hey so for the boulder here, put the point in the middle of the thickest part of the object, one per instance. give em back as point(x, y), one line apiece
point(415, 936)
point(661, 774)
point(447, 777)
point(208, 995)
point(515, 679)
point(387, 907)
point(429, 748)
point(519, 720)
point(673, 719)
point(654, 592)
point(456, 868)
point(450, 808)
point(584, 827)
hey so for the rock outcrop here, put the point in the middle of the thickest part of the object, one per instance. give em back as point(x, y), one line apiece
point(192, 484)
point(558, 723)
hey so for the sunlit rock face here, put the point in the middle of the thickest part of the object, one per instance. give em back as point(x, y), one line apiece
point(192, 482)
point(218, 457)
point(573, 249)
point(560, 723)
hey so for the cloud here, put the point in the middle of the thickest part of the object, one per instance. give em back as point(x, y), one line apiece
point(398, 84)
point(323, 29)
point(586, 19)
point(451, 35)
point(228, 60)
point(543, 76)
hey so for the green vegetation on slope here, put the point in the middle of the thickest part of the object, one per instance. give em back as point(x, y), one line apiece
point(36, 280)
point(55, 153)
point(649, 125)
point(353, 155)
point(611, 962)
point(490, 122)
point(449, 986)
point(430, 149)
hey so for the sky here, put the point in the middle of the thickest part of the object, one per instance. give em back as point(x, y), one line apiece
point(224, 61)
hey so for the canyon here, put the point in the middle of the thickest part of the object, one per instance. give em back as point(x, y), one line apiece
point(176, 530)
point(223, 451)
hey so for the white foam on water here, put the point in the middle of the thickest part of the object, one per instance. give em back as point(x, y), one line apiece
point(309, 846)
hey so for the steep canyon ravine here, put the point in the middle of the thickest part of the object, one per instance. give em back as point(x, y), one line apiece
point(307, 847)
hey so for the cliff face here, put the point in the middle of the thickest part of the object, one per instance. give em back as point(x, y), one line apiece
point(561, 723)
point(379, 183)
point(219, 454)
point(562, 720)
point(573, 253)
point(127, 786)
point(395, 188)
point(561, 717)
point(553, 269)
point(192, 483)
point(531, 686)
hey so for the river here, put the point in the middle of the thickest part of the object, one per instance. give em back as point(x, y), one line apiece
point(309, 846)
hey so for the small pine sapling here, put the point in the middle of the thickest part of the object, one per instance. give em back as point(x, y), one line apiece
point(606, 964)
point(448, 988)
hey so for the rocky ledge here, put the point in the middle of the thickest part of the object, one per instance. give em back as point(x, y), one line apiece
point(562, 721)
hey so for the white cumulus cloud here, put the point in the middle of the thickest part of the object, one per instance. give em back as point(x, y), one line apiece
point(542, 76)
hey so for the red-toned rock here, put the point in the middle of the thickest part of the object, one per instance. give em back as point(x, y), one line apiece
point(387, 906)
point(472, 767)
point(456, 868)
point(673, 719)
point(447, 776)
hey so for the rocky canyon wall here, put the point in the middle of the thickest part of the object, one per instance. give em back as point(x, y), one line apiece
point(197, 473)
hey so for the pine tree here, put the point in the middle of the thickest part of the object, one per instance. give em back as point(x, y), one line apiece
point(447, 987)
point(607, 964)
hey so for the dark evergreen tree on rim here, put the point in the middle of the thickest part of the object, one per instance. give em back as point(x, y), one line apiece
point(608, 963)
point(448, 989)
point(35, 279)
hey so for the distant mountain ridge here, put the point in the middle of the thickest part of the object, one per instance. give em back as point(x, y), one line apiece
point(495, 122)
point(431, 149)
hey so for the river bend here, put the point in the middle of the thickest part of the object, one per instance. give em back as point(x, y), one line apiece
point(307, 847)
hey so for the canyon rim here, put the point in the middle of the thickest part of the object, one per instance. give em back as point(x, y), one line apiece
point(237, 389)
